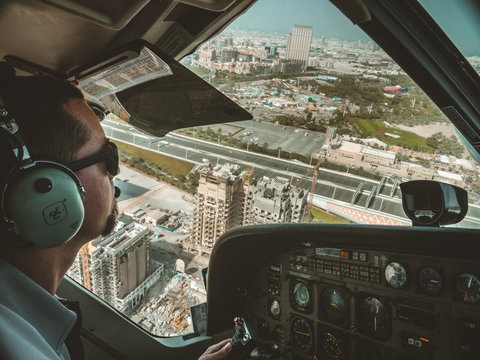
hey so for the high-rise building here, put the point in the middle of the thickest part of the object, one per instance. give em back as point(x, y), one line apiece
point(298, 44)
point(227, 198)
point(117, 268)
point(218, 206)
point(270, 201)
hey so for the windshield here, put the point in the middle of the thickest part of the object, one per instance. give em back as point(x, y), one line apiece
point(337, 126)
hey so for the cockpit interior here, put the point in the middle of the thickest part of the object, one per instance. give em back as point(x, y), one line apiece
point(282, 291)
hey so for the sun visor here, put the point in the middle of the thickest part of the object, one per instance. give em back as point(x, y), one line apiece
point(155, 93)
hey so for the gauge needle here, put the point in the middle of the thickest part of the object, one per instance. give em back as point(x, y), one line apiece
point(470, 281)
point(302, 333)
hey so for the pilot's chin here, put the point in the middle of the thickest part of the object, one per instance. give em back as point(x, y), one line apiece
point(111, 221)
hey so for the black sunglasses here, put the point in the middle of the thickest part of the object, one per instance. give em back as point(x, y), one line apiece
point(109, 154)
point(99, 111)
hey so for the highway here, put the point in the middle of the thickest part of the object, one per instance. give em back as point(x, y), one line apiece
point(331, 184)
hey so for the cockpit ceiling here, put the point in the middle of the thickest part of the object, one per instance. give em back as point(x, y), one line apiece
point(59, 36)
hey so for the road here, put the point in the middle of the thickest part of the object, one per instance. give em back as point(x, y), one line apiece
point(337, 186)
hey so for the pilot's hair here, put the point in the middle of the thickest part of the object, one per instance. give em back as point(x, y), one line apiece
point(49, 131)
point(38, 105)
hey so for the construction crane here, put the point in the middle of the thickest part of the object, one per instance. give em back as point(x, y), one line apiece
point(304, 177)
point(308, 205)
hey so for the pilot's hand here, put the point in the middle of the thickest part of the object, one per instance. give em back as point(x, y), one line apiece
point(217, 351)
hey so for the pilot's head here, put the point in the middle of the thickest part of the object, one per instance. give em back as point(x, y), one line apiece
point(49, 204)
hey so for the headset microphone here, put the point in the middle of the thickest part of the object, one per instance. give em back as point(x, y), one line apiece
point(117, 192)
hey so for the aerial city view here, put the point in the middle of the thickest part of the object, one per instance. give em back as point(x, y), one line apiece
point(336, 127)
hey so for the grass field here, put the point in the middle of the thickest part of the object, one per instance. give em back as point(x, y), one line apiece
point(323, 217)
point(115, 118)
point(372, 128)
point(173, 166)
point(197, 70)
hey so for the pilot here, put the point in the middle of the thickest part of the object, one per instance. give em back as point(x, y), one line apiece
point(49, 208)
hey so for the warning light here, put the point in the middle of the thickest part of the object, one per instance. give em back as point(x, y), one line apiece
point(344, 254)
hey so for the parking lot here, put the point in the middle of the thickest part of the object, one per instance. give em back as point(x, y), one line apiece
point(287, 138)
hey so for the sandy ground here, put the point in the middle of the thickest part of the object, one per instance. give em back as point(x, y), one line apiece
point(446, 129)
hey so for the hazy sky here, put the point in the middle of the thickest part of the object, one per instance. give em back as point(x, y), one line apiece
point(280, 16)
point(457, 17)
point(460, 19)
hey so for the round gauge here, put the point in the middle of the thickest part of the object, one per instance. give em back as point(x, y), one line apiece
point(275, 309)
point(301, 295)
point(332, 305)
point(374, 318)
point(468, 288)
point(396, 275)
point(430, 281)
point(332, 347)
point(302, 334)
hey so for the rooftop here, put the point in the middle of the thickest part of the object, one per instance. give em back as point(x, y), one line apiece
point(384, 154)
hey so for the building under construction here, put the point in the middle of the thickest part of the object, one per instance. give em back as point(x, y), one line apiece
point(117, 268)
point(227, 197)
point(271, 201)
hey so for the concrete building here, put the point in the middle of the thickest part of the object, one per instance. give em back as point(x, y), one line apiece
point(227, 198)
point(218, 205)
point(290, 66)
point(117, 268)
point(298, 44)
point(156, 217)
point(380, 157)
point(270, 201)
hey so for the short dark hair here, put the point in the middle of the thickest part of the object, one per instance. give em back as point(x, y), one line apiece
point(38, 104)
point(49, 131)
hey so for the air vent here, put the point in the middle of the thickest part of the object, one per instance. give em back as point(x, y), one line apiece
point(191, 18)
point(174, 40)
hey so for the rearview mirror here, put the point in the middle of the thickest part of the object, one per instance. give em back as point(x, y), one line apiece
point(432, 203)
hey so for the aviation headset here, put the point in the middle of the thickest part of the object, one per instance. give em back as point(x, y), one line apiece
point(41, 201)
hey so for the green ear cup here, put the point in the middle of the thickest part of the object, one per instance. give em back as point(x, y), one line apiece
point(45, 206)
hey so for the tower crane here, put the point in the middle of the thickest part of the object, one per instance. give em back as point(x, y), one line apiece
point(314, 170)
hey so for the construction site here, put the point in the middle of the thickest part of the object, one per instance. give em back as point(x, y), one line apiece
point(168, 313)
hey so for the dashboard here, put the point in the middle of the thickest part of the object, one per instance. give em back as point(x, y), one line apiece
point(404, 294)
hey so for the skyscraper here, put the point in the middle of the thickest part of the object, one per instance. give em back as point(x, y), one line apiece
point(218, 205)
point(298, 44)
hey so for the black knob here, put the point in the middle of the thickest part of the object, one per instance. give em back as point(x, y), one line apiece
point(43, 185)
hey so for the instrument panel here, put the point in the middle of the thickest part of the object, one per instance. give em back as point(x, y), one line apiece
point(341, 304)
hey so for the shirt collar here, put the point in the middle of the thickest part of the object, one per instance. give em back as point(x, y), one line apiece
point(35, 305)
